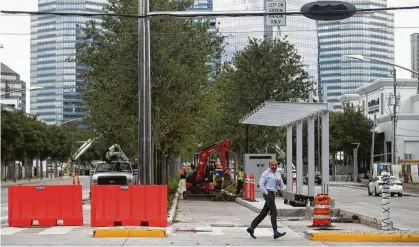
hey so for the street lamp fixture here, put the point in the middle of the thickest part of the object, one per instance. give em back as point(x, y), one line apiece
point(364, 58)
point(69, 121)
point(22, 89)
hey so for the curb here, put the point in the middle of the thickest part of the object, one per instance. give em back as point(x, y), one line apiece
point(285, 212)
point(126, 233)
point(173, 209)
point(362, 237)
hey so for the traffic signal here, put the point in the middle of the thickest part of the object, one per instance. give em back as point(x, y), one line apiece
point(328, 10)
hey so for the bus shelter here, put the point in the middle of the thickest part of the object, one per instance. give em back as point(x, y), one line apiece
point(290, 114)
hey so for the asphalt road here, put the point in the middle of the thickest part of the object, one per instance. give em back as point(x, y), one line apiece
point(84, 181)
point(404, 210)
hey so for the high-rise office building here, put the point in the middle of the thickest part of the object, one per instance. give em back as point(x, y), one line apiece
point(299, 31)
point(414, 56)
point(366, 34)
point(53, 55)
point(13, 90)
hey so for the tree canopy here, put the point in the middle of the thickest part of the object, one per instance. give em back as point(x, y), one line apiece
point(180, 50)
point(22, 136)
point(264, 70)
point(350, 126)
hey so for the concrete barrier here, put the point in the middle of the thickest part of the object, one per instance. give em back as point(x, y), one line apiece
point(361, 237)
point(285, 212)
point(129, 232)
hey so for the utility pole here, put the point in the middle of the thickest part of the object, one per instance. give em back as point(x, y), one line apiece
point(356, 161)
point(393, 155)
point(372, 146)
point(144, 126)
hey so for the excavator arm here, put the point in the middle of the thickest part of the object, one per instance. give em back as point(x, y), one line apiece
point(204, 154)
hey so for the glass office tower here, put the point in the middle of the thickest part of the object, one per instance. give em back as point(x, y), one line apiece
point(368, 35)
point(299, 31)
point(53, 55)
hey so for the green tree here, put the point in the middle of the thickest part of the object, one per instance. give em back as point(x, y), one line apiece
point(350, 126)
point(179, 75)
point(264, 70)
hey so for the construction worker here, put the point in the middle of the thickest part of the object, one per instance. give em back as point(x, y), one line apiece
point(239, 180)
point(218, 173)
point(269, 182)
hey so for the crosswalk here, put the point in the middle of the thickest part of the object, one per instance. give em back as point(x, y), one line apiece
point(56, 230)
point(171, 231)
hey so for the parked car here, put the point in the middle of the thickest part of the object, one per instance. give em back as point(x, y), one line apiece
point(317, 178)
point(376, 186)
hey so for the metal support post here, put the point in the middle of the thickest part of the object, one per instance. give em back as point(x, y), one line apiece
point(356, 161)
point(325, 152)
point(144, 136)
point(246, 141)
point(386, 224)
point(299, 157)
point(372, 146)
point(310, 154)
point(393, 156)
point(289, 158)
point(267, 30)
point(319, 157)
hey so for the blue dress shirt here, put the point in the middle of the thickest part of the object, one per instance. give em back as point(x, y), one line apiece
point(270, 181)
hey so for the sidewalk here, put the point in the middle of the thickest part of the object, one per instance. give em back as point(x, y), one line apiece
point(33, 181)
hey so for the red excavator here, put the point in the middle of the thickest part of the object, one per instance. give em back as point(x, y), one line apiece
point(201, 181)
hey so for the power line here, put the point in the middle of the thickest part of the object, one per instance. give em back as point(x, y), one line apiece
point(172, 14)
point(238, 32)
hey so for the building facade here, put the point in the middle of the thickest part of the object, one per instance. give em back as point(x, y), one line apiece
point(376, 99)
point(368, 35)
point(414, 50)
point(299, 30)
point(53, 55)
point(13, 90)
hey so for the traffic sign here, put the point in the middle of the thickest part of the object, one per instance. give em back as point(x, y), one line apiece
point(275, 6)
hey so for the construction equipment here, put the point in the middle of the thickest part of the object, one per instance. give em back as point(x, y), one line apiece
point(80, 152)
point(203, 181)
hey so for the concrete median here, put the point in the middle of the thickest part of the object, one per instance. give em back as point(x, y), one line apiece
point(129, 233)
point(362, 237)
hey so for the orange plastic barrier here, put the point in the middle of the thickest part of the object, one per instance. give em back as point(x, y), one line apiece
point(132, 205)
point(321, 213)
point(51, 205)
point(252, 188)
point(246, 187)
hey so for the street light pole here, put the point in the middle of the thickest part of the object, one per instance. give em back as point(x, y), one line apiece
point(394, 118)
point(356, 161)
point(144, 126)
point(372, 146)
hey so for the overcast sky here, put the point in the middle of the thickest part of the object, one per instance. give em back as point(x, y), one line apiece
point(15, 34)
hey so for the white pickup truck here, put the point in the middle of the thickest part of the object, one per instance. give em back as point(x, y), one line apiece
point(113, 173)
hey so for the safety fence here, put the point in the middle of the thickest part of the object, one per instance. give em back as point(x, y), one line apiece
point(111, 205)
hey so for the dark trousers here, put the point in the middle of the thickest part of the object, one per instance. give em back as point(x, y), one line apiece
point(269, 206)
point(239, 186)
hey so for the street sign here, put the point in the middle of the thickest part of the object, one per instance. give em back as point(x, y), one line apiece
point(275, 6)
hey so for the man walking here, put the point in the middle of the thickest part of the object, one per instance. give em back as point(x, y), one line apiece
point(268, 183)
